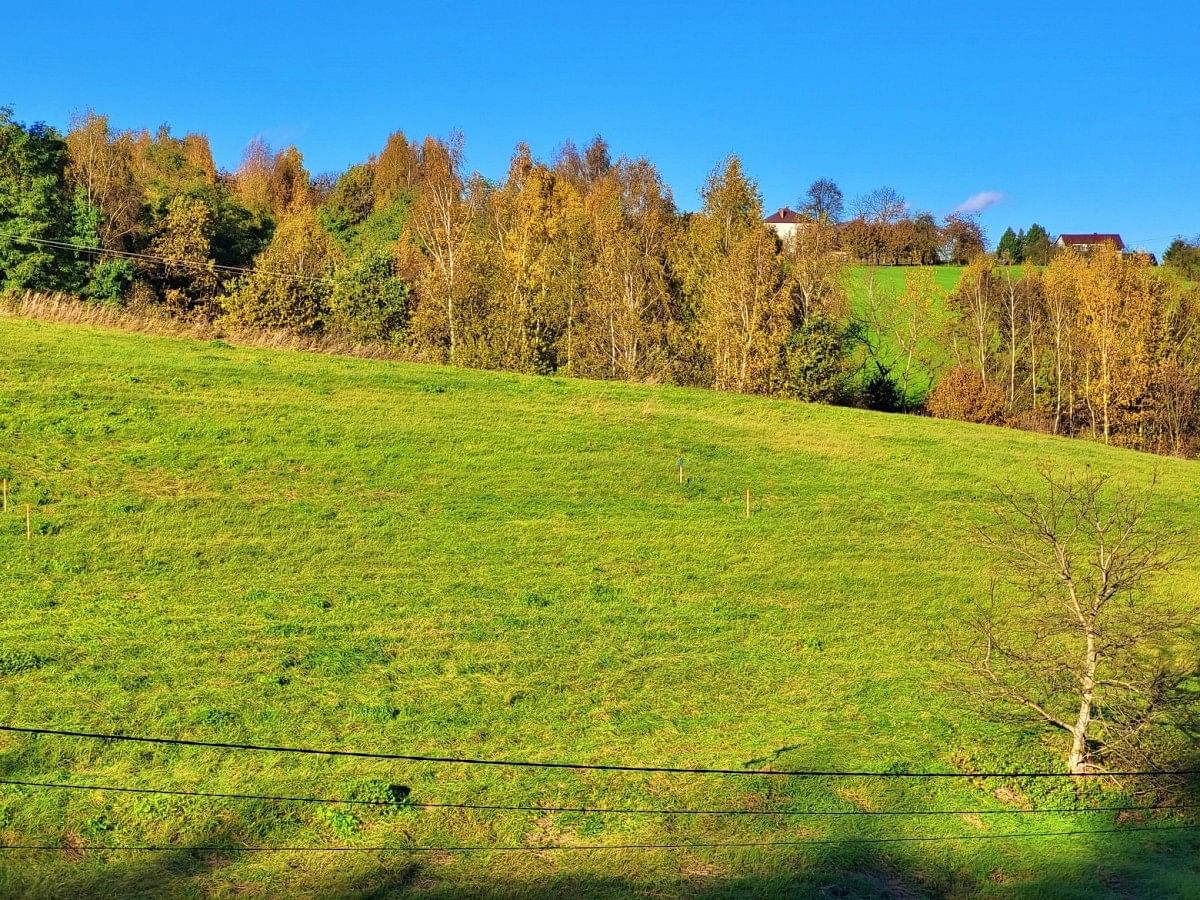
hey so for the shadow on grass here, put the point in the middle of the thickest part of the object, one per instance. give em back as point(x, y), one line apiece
point(1162, 864)
point(1126, 864)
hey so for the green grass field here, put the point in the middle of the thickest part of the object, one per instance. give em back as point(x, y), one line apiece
point(293, 549)
point(889, 287)
point(891, 278)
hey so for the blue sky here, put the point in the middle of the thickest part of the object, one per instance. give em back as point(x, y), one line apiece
point(1081, 116)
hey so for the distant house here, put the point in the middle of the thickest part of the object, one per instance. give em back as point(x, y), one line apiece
point(1086, 243)
point(785, 222)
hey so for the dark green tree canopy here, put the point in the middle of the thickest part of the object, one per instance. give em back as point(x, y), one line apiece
point(32, 203)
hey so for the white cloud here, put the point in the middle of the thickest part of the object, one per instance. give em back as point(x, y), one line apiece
point(977, 203)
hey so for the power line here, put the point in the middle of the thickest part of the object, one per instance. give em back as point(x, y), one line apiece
point(169, 260)
point(603, 810)
point(1165, 237)
point(543, 848)
point(601, 767)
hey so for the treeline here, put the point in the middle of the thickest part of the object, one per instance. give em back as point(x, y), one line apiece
point(883, 230)
point(583, 265)
point(1103, 346)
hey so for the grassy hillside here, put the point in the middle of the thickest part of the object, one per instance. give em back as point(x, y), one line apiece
point(284, 548)
point(889, 287)
point(891, 278)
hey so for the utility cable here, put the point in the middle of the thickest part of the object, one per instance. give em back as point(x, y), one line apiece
point(601, 767)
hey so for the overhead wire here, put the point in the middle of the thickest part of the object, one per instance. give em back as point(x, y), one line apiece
point(581, 766)
point(546, 848)
point(166, 260)
point(599, 810)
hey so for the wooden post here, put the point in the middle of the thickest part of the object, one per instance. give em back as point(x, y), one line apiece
point(6, 495)
point(747, 503)
point(28, 525)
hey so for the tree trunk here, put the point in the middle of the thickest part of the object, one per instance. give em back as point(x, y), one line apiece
point(1012, 343)
point(1077, 759)
point(1058, 377)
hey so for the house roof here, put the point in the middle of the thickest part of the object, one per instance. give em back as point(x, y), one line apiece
point(1074, 239)
point(784, 216)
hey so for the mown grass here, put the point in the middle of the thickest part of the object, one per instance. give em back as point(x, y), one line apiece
point(284, 548)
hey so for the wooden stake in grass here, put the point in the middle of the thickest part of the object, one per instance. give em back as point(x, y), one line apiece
point(28, 524)
point(6, 495)
point(747, 503)
point(679, 466)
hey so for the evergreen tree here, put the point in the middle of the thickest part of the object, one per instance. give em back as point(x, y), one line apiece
point(32, 163)
point(1010, 249)
point(1037, 247)
point(1184, 256)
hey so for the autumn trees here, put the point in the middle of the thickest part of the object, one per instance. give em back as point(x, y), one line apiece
point(1103, 346)
point(437, 253)
point(619, 326)
point(582, 264)
point(884, 230)
point(100, 202)
point(734, 281)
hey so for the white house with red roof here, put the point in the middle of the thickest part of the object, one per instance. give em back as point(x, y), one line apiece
point(785, 222)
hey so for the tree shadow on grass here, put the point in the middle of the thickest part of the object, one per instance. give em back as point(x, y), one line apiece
point(1160, 864)
point(1163, 864)
point(840, 872)
point(77, 874)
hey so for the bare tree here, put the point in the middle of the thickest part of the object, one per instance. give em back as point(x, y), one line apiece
point(1074, 633)
point(1012, 291)
point(819, 273)
point(883, 206)
point(972, 300)
point(877, 315)
point(823, 200)
point(913, 322)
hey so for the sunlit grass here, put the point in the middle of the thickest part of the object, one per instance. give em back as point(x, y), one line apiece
point(285, 548)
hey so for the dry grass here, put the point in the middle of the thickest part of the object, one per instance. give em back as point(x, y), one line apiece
point(63, 308)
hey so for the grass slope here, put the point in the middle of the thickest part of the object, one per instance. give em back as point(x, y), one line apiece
point(286, 548)
point(890, 282)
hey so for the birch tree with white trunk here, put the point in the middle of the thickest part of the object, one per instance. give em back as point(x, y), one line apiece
point(1079, 634)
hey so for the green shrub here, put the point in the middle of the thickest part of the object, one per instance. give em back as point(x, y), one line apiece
point(109, 281)
point(390, 797)
point(14, 662)
point(343, 824)
point(815, 362)
point(881, 393)
point(368, 301)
